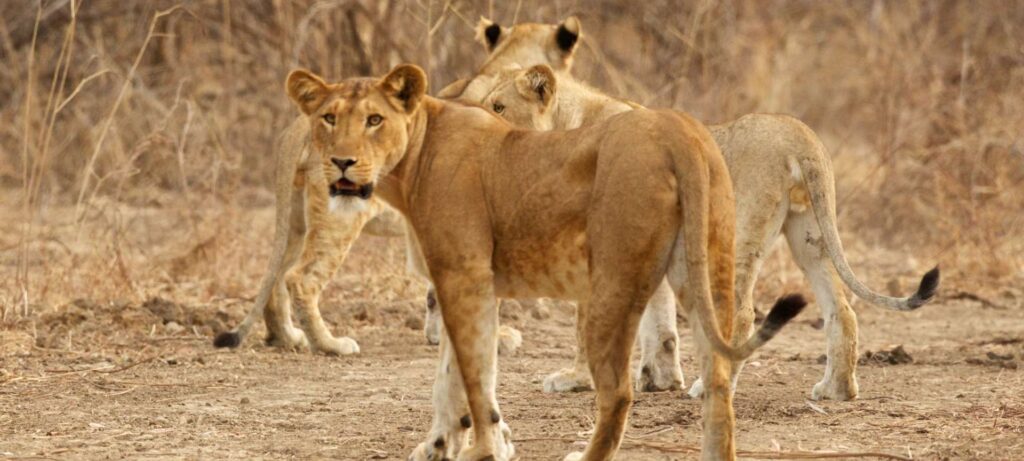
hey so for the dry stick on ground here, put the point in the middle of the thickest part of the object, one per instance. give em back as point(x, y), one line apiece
point(676, 448)
point(105, 370)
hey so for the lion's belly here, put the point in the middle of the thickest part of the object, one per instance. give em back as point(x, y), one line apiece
point(550, 268)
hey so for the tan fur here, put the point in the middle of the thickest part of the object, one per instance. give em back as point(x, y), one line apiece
point(782, 176)
point(480, 197)
point(758, 149)
point(298, 177)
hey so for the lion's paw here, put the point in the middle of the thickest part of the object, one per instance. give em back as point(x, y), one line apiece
point(697, 389)
point(338, 346)
point(509, 340)
point(568, 380)
point(503, 451)
point(448, 445)
point(668, 376)
point(574, 456)
point(442, 443)
point(293, 338)
point(829, 390)
point(428, 451)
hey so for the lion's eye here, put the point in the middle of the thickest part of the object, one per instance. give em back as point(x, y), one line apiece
point(329, 118)
point(499, 107)
point(374, 120)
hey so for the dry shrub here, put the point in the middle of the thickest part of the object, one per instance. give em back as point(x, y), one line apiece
point(919, 101)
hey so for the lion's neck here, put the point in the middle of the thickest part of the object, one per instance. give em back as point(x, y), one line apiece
point(577, 104)
point(396, 185)
point(440, 129)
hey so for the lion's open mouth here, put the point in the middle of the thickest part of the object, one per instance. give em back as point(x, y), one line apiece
point(344, 187)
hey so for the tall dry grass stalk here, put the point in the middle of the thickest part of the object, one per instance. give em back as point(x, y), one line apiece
point(135, 142)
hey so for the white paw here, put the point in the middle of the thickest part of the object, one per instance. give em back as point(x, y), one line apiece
point(503, 450)
point(440, 446)
point(424, 452)
point(509, 340)
point(697, 389)
point(656, 378)
point(293, 338)
point(568, 380)
point(828, 390)
point(574, 456)
point(505, 446)
point(339, 346)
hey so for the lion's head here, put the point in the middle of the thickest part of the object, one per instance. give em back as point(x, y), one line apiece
point(529, 44)
point(523, 96)
point(523, 45)
point(359, 127)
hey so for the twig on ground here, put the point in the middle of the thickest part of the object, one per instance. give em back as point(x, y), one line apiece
point(104, 369)
point(679, 448)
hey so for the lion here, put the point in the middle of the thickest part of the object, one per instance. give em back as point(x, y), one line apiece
point(781, 172)
point(600, 215)
point(374, 218)
point(298, 202)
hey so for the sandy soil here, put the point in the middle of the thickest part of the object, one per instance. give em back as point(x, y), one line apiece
point(101, 378)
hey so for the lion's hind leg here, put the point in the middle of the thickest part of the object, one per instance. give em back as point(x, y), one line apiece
point(804, 237)
point(610, 331)
point(623, 276)
point(278, 318)
point(575, 378)
point(758, 227)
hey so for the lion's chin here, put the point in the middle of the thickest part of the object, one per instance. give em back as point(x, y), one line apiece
point(345, 188)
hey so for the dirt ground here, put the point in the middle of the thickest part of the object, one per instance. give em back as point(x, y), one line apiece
point(102, 378)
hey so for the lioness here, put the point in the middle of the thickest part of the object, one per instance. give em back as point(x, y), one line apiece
point(780, 170)
point(293, 165)
point(599, 214)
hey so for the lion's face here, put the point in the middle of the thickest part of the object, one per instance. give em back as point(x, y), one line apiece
point(359, 127)
point(523, 97)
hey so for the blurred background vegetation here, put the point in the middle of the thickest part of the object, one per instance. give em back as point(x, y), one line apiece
point(135, 142)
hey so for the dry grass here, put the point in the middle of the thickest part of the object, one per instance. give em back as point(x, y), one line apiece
point(134, 148)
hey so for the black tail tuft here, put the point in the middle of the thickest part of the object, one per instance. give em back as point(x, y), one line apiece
point(926, 291)
point(784, 310)
point(227, 339)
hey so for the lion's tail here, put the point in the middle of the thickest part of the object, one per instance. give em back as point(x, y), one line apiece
point(694, 172)
point(819, 181)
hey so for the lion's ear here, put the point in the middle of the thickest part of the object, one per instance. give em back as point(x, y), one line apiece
point(537, 84)
point(307, 90)
point(454, 89)
point(568, 35)
point(488, 33)
point(405, 85)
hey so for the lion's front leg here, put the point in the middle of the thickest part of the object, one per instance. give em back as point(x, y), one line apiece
point(469, 310)
point(449, 430)
point(327, 243)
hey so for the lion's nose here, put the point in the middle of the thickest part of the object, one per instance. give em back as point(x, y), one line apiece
point(343, 163)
